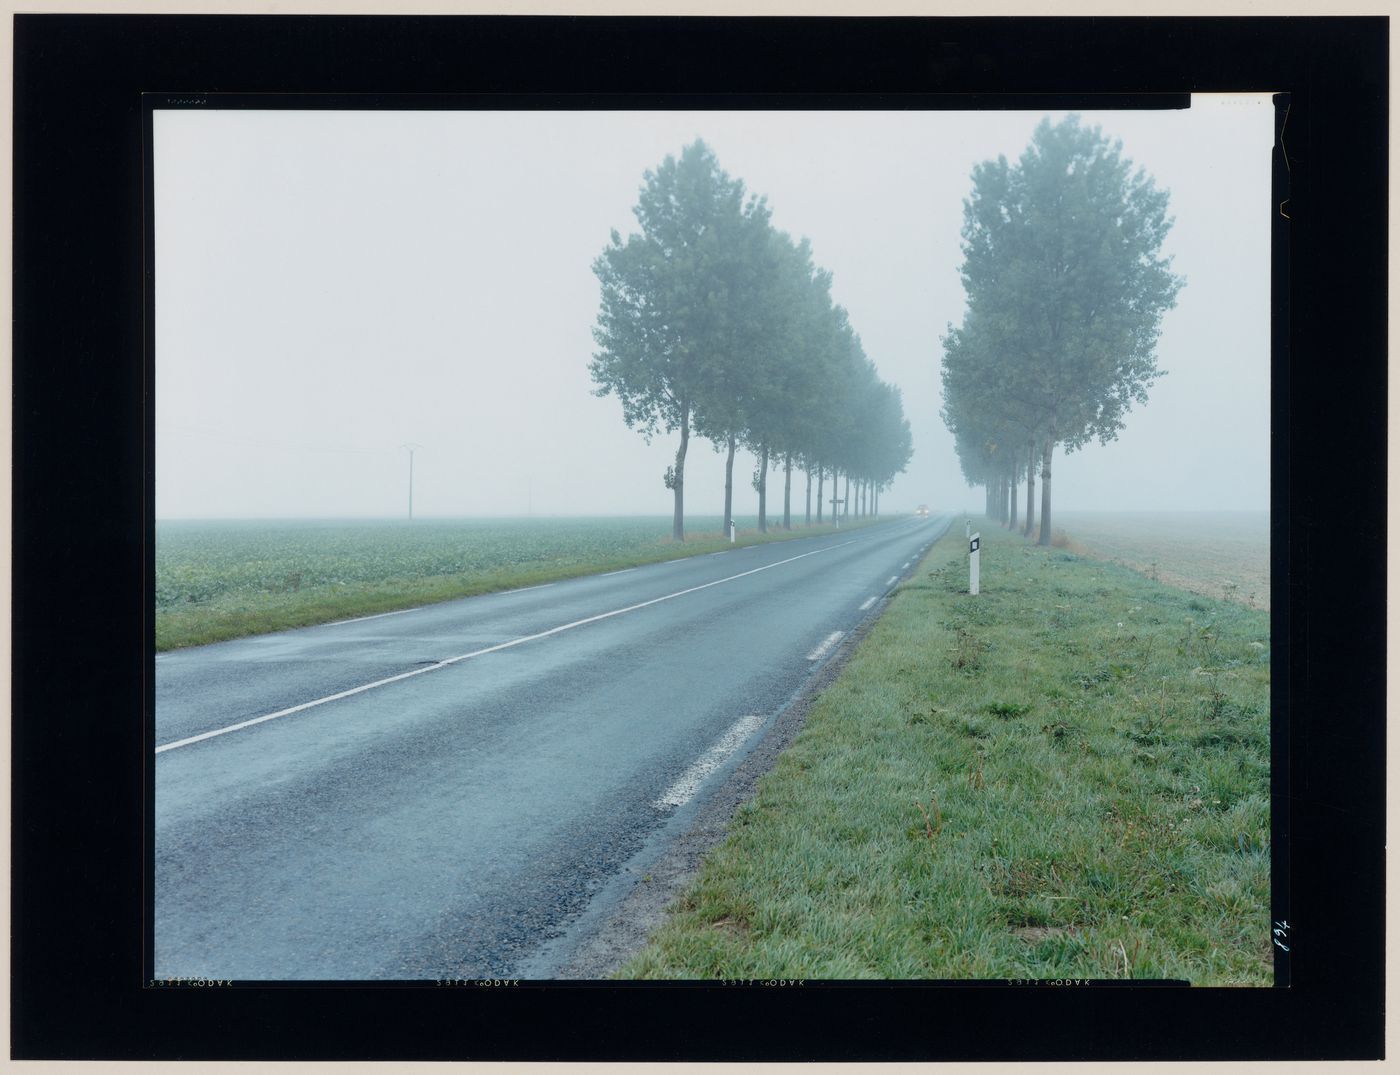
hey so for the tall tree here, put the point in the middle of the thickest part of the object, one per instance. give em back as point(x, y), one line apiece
point(671, 306)
point(1066, 285)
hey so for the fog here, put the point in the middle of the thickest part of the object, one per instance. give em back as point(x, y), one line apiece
point(332, 286)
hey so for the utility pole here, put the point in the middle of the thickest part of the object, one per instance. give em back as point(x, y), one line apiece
point(410, 448)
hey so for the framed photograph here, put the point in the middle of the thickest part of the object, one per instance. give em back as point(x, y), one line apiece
point(624, 522)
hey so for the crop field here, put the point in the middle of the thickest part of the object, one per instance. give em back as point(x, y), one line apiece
point(1218, 554)
point(221, 579)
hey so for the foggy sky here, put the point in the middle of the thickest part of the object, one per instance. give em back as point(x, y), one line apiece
point(334, 285)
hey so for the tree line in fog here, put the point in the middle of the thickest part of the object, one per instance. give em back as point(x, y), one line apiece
point(1066, 287)
point(714, 324)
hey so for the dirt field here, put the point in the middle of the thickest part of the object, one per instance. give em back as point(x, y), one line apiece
point(1221, 554)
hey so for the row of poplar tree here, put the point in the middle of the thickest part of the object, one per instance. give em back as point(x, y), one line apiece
point(715, 324)
point(1066, 287)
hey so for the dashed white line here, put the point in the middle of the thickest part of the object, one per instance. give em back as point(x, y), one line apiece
point(906, 565)
point(480, 652)
point(685, 787)
point(826, 646)
point(619, 571)
point(891, 580)
point(868, 602)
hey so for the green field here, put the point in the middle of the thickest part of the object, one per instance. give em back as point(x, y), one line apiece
point(1064, 777)
point(224, 579)
point(1218, 553)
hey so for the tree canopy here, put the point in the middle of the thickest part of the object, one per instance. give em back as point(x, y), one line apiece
point(712, 322)
point(1066, 288)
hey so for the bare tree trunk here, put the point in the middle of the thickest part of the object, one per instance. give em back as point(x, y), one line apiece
point(728, 487)
point(787, 491)
point(763, 491)
point(808, 521)
point(1030, 490)
point(821, 477)
point(846, 500)
point(1012, 524)
point(1045, 491)
point(678, 479)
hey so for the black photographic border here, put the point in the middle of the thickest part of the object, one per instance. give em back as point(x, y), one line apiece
point(83, 511)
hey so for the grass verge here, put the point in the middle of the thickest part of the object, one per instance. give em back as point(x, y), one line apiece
point(242, 611)
point(1064, 777)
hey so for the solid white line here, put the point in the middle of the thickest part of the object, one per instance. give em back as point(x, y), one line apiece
point(868, 602)
point(480, 652)
point(376, 616)
point(684, 789)
point(891, 580)
point(826, 644)
point(619, 571)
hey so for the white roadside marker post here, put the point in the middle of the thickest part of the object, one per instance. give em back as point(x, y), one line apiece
point(731, 531)
point(974, 578)
point(967, 528)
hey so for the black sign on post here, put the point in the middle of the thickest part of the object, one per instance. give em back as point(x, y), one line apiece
point(975, 544)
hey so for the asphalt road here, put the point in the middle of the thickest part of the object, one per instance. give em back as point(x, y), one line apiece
point(440, 793)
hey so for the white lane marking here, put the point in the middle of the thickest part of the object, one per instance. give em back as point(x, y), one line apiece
point(477, 653)
point(826, 645)
point(891, 580)
point(906, 566)
point(684, 789)
point(522, 589)
point(868, 602)
point(376, 616)
point(619, 571)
